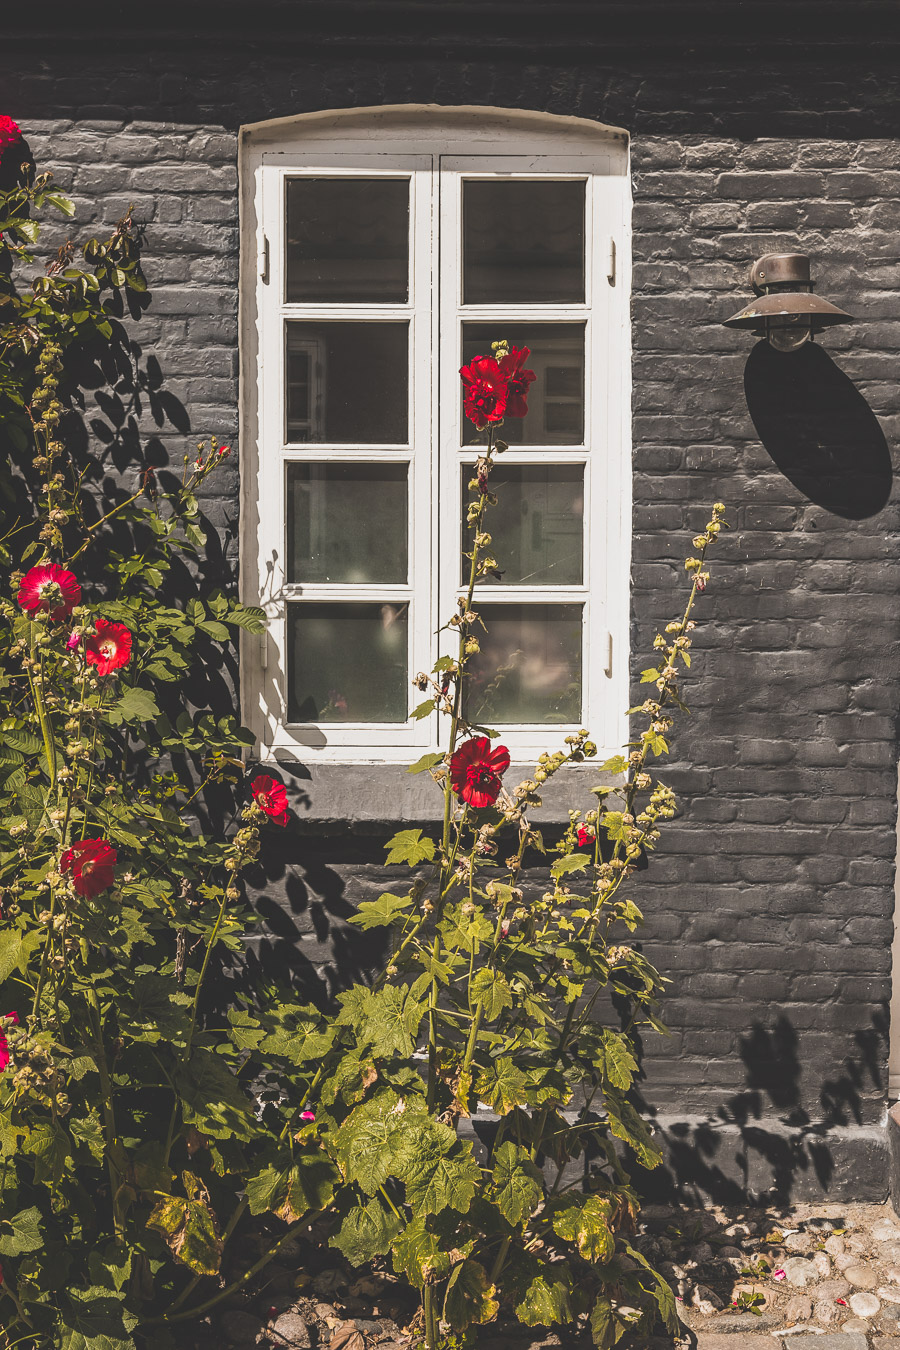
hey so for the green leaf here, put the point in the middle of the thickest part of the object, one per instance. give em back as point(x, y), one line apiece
point(501, 1085)
point(157, 1011)
point(572, 862)
point(517, 1182)
point(470, 1296)
point(15, 950)
point(366, 1233)
point(48, 1143)
point(584, 1221)
point(382, 912)
point(95, 1319)
point(660, 1288)
point(409, 847)
point(423, 709)
point(25, 1235)
point(379, 1139)
point(135, 705)
point(211, 1097)
point(417, 1253)
point(387, 1019)
point(547, 1299)
point(218, 631)
point(631, 1128)
point(88, 1130)
point(248, 617)
point(442, 1172)
point(647, 676)
point(492, 991)
point(615, 1061)
point(189, 1227)
point(605, 1330)
point(306, 1183)
point(426, 762)
point(617, 764)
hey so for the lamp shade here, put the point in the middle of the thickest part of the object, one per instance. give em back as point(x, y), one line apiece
point(785, 310)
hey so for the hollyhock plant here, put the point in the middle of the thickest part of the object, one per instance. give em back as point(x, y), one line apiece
point(271, 798)
point(476, 770)
point(585, 836)
point(49, 589)
point(90, 863)
point(485, 393)
point(110, 647)
point(517, 380)
point(13, 1018)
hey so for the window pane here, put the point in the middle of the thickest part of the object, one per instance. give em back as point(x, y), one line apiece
point(347, 382)
point(529, 666)
point(348, 663)
point(523, 241)
point(347, 522)
point(536, 528)
point(348, 240)
point(556, 398)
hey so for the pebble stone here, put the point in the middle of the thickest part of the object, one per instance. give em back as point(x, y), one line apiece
point(798, 1309)
point(822, 1264)
point(856, 1324)
point(862, 1276)
point(885, 1231)
point(865, 1305)
point(835, 1245)
point(888, 1294)
point(799, 1271)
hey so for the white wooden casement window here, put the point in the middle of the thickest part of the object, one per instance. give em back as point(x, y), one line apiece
point(381, 251)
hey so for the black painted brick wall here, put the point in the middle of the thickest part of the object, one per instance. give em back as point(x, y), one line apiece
point(770, 903)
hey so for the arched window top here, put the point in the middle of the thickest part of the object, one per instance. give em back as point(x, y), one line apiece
point(418, 128)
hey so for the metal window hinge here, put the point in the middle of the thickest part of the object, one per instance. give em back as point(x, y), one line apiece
point(608, 668)
point(611, 260)
point(264, 650)
point(262, 258)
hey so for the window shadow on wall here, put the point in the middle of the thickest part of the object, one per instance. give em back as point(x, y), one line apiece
point(818, 429)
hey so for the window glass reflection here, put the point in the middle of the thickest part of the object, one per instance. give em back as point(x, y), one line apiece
point(347, 240)
point(556, 397)
point(347, 522)
point(347, 383)
point(536, 528)
point(523, 241)
point(348, 662)
point(529, 666)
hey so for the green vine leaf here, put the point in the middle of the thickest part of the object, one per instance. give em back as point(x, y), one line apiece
point(409, 847)
point(548, 1298)
point(306, 1183)
point(584, 1221)
point(517, 1182)
point(25, 1235)
point(501, 1085)
point(441, 1172)
point(366, 1233)
point(417, 1253)
point(380, 913)
point(491, 989)
point(470, 1296)
point(189, 1227)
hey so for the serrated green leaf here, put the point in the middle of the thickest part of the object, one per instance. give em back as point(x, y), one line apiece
point(584, 1221)
point(378, 1140)
point(441, 1173)
point(631, 1128)
point(212, 1098)
point(409, 847)
point(366, 1233)
point(189, 1228)
point(15, 950)
point(615, 1062)
point(501, 1085)
point(426, 762)
point(516, 1183)
point(424, 709)
point(417, 1253)
point(306, 1183)
point(388, 1019)
point(380, 913)
point(135, 705)
point(572, 862)
point(470, 1296)
point(25, 1235)
point(491, 989)
point(547, 1299)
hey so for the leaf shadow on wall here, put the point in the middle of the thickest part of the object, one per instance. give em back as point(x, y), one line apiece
point(765, 1138)
point(818, 429)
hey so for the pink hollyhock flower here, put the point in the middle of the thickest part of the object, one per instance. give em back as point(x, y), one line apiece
point(90, 863)
point(49, 589)
point(12, 1017)
point(110, 647)
point(307, 1116)
point(271, 797)
point(779, 1275)
point(517, 380)
point(484, 398)
point(72, 641)
point(476, 770)
point(585, 836)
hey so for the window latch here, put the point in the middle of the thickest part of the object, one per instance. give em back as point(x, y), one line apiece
point(608, 668)
point(262, 258)
point(611, 261)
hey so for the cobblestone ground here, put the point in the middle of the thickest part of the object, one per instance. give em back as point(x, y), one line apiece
point(813, 1276)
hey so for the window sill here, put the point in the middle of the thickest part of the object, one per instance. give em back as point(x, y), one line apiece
point(345, 796)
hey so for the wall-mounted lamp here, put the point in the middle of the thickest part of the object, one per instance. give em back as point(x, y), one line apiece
point(787, 313)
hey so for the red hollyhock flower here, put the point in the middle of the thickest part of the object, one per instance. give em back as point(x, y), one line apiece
point(476, 769)
point(49, 589)
point(585, 836)
point(10, 132)
point(91, 863)
point(110, 647)
point(517, 380)
point(484, 399)
point(271, 797)
point(12, 1017)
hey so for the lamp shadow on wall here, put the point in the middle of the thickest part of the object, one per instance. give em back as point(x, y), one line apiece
point(818, 429)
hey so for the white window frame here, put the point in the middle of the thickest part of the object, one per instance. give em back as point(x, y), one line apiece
point(436, 147)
